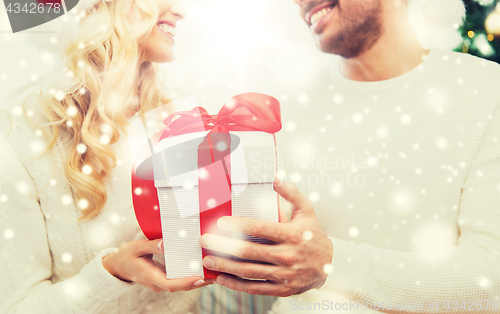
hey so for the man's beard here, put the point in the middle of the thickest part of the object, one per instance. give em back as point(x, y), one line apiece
point(354, 37)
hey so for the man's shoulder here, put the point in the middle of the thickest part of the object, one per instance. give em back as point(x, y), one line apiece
point(470, 66)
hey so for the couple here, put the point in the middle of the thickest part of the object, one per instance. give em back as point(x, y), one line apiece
point(420, 226)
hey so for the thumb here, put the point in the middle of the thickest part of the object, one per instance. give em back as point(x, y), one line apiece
point(299, 204)
point(146, 247)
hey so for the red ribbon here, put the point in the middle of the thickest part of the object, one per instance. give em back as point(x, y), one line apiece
point(244, 112)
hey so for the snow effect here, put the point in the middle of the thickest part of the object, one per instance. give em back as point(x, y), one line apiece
point(405, 119)
point(81, 148)
point(211, 203)
point(67, 257)
point(8, 234)
point(83, 204)
point(441, 143)
point(307, 235)
point(290, 126)
point(357, 118)
point(314, 197)
point(328, 268)
point(194, 265)
point(353, 232)
point(87, 169)
point(66, 200)
point(382, 132)
point(22, 187)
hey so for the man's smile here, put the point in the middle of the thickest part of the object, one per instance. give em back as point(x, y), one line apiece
point(315, 14)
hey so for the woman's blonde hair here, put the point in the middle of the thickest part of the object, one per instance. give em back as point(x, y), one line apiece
point(86, 99)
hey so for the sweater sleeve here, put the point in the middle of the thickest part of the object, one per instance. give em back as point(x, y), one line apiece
point(25, 260)
point(469, 271)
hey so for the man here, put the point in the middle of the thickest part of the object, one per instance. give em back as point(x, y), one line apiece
point(404, 184)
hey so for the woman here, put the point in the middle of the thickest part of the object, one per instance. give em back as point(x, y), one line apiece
point(64, 214)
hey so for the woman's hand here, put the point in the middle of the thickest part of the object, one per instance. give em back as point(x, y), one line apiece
point(134, 262)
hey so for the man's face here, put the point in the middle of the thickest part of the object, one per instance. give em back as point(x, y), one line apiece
point(343, 27)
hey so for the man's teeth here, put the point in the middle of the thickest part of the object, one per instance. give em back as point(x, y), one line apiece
point(316, 16)
point(167, 28)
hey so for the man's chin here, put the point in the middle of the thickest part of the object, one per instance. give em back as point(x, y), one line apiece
point(326, 46)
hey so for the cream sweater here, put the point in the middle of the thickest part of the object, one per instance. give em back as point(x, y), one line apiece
point(415, 215)
point(50, 263)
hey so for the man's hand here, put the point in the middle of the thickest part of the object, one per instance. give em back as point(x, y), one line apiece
point(298, 257)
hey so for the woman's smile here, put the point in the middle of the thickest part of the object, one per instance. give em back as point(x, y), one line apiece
point(167, 28)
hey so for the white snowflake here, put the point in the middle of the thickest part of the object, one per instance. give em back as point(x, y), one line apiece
point(382, 132)
point(22, 187)
point(66, 200)
point(194, 265)
point(327, 268)
point(290, 126)
point(87, 169)
point(405, 119)
point(8, 234)
point(203, 174)
point(182, 233)
point(307, 235)
point(105, 139)
point(188, 185)
point(72, 110)
point(114, 218)
point(81, 148)
point(353, 232)
point(357, 118)
point(441, 143)
point(83, 204)
point(338, 99)
point(211, 203)
point(314, 197)
point(67, 257)
point(484, 282)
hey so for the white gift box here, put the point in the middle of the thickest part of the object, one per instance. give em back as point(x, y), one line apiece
point(253, 168)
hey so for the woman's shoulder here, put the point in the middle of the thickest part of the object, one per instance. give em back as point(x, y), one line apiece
point(26, 129)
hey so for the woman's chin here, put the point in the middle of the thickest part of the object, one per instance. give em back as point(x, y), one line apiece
point(164, 58)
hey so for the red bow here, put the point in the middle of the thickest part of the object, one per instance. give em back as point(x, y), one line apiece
point(244, 112)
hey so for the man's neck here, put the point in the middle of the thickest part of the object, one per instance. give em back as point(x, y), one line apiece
point(395, 53)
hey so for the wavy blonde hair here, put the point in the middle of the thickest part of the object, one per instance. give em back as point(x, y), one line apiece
point(86, 99)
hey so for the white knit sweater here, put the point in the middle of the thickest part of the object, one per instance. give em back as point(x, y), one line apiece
point(415, 215)
point(50, 263)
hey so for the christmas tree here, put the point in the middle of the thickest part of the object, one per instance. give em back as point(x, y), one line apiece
point(481, 29)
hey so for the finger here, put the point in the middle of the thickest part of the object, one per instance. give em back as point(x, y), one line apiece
point(247, 270)
point(270, 230)
point(146, 247)
point(239, 248)
point(152, 275)
point(186, 284)
point(252, 287)
point(299, 204)
point(282, 216)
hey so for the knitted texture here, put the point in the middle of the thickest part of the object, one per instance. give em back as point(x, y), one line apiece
point(49, 262)
point(418, 220)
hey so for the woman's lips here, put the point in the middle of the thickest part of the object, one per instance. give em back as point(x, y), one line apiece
point(167, 29)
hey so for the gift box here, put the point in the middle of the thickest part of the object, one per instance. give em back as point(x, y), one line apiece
point(204, 167)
